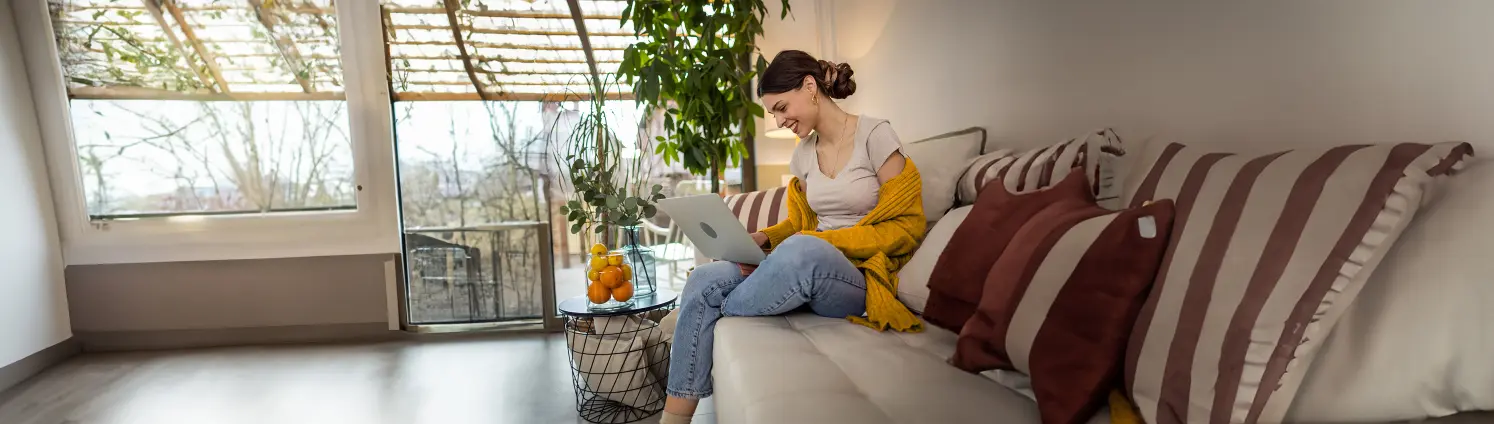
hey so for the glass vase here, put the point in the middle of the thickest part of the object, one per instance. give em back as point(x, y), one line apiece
point(641, 259)
point(608, 286)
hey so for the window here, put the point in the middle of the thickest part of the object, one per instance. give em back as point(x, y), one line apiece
point(206, 107)
point(182, 130)
point(219, 129)
point(482, 90)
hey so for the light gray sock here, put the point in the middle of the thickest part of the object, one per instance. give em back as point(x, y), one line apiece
point(669, 418)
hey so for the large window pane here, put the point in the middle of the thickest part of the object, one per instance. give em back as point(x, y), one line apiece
point(146, 157)
point(206, 106)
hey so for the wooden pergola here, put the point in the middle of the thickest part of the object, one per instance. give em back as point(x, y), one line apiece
point(541, 50)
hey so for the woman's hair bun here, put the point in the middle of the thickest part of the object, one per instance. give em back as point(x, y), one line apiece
point(838, 81)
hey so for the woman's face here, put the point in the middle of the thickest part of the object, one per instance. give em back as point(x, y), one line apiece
point(795, 109)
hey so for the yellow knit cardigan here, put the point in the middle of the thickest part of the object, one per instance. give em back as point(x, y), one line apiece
point(879, 245)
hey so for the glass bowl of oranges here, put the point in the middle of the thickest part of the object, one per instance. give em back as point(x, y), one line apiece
point(609, 280)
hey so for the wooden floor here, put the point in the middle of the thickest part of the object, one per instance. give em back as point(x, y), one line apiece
point(504, 379)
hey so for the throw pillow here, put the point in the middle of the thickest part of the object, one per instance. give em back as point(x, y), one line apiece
point(913, 278)
point(940, 161)
point(1416, 342)
point(1060, 304)
point(1096, 152)
point(759, 209)
point(614, 361)
point(959, 276)
point(1266, 254)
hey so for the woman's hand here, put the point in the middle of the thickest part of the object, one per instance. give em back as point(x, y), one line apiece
point(747, 269)
point(761, 239)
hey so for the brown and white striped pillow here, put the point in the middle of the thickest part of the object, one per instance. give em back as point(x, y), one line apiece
point(759, 209)
point(1060, 303)
point(1266, 253)
point(1037, 169)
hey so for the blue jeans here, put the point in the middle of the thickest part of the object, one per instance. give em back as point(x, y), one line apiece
point(801, 271)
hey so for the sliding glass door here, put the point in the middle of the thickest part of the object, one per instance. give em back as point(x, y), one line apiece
point(473, 178)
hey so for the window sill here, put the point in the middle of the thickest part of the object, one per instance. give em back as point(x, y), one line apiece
point(231, 238)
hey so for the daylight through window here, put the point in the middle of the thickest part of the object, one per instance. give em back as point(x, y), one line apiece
point(206, 106)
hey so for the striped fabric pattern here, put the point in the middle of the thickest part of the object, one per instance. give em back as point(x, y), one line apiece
point(759, 209)
point(1266, 253)
point(1037, 169)
point(1061, 301)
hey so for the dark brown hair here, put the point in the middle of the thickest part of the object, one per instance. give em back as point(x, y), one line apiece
point(787, 70)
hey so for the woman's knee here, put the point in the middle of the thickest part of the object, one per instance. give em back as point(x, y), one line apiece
point(807, 248)
point(707, 275)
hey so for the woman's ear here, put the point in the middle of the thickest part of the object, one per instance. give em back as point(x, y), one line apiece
point(808, 84)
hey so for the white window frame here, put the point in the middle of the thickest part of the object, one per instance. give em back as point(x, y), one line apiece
point(372, 229)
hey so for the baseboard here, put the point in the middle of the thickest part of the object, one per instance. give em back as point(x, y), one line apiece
point(107, 341)
point(13, 374)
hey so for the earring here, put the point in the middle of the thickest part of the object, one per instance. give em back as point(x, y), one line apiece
point(814, 100)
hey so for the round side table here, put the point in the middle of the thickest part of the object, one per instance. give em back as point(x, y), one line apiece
point(619, 359)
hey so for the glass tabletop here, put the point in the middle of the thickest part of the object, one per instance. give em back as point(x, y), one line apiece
point(579, 306)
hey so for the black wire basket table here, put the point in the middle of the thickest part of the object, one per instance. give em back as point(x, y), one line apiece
point(619, 359)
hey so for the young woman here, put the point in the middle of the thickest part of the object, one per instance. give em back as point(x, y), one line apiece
point(844, 163)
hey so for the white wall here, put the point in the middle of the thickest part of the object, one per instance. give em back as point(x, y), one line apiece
point(33, 305)
point(1257, 72)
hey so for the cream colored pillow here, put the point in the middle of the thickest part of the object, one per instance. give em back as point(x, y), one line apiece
point(1417, 342)
point(941, 159)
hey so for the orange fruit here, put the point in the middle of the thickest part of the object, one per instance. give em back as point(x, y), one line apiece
point(615, 260)
point(597, 249)
point(612, 277)
point(598, 262)
point(623, 293)
point(593, 276)
point(598, 293)
point(627, 272)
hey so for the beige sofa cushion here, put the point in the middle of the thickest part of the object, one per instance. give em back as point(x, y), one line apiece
point(808, 369)
point(1416, 342)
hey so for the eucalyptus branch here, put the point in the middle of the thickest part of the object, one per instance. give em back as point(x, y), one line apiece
point(607, 190)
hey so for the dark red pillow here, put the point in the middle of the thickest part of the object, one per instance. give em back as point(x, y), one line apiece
point(959, 276)
point(1060, 304)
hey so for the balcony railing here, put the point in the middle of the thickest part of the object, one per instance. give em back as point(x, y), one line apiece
point(487, 273)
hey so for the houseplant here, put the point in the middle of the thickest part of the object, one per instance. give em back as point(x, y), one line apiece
point(694, 62)
point(609, 195)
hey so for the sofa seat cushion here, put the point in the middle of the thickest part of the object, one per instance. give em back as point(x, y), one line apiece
point(802, 368)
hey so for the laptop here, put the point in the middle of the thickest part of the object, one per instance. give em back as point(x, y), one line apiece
point(713, 229)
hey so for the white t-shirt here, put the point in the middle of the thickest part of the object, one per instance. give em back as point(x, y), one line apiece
point(842, 201)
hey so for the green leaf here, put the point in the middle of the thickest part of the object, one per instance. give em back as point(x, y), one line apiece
point(700, 156)
point(755, 109)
